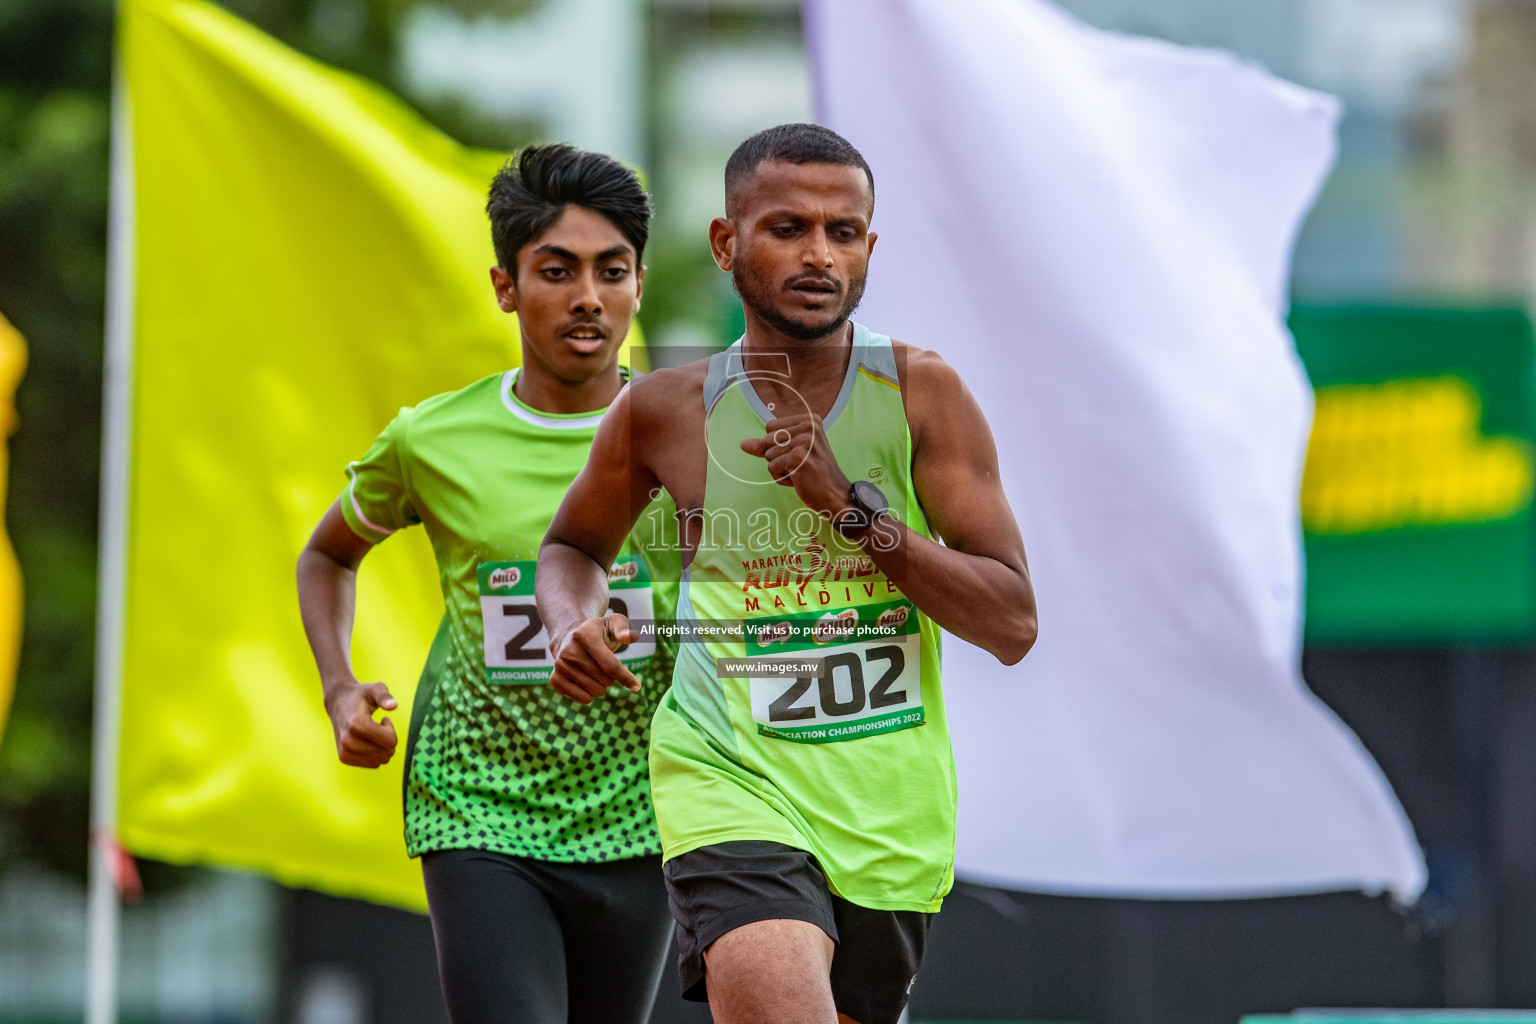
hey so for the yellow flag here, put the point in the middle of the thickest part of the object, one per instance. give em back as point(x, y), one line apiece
point(13, 360)
point(310, 257)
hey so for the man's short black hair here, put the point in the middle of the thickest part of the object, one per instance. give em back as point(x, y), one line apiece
point(532, 190)
point(796, 144)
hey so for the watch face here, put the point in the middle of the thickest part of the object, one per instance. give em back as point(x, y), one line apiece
point(870, 496)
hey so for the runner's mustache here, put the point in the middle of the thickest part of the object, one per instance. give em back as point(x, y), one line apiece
point(828, 280)
point(585, 321)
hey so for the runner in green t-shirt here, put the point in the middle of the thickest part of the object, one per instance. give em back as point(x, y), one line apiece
point(531, 814)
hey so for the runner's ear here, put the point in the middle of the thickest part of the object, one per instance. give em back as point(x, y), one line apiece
point(722, 239)
point(506, 289)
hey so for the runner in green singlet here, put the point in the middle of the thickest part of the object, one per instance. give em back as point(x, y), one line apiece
point(841, 503)
point(531, 814)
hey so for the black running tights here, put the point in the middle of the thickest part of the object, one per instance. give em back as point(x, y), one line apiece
point(533, 942)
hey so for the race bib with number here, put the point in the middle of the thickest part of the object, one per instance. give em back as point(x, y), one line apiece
point(516, 642)
point(822, 678)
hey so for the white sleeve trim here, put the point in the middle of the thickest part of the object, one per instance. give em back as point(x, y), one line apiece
point(352, 479)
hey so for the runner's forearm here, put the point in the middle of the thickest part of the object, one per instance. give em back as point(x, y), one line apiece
point(327, 574)
point(327, 599)
point(977, 598)
point(570, 587)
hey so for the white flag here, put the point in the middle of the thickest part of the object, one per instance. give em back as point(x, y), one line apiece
point(1096, 231)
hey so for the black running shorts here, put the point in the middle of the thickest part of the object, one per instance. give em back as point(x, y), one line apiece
point(716, 889)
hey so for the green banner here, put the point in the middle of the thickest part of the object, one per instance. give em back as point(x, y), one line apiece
point(1417, 495)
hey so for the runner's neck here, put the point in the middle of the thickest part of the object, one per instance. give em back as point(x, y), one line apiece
point(541, 390)
point(816, 368)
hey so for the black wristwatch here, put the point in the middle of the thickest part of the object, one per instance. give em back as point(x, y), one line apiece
point(867, 505)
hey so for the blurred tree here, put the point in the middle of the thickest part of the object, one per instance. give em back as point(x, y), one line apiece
point(54, 78)
point(363, 36)
point(55, 82)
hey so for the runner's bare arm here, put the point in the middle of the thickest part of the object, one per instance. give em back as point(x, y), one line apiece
point(327, 576)
point(976, 584)
point(587, 533)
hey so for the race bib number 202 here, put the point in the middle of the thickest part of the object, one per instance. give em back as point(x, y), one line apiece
point(835, 676)
point(516, 642)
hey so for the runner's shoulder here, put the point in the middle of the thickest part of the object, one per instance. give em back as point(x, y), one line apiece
point(925, 373)
point(485, 387)
point(933, 392)
point(660, 395)
point(434, 408)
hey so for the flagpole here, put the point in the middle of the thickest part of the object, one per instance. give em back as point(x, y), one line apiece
point(104, 905)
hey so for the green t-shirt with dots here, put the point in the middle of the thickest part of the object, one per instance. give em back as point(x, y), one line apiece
point(496, 760)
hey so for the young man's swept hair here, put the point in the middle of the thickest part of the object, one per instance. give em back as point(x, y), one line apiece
point(532, 190)
point(796, 144)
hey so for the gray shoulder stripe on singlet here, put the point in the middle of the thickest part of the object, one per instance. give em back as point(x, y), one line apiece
point(861, 342)
point(720, 377)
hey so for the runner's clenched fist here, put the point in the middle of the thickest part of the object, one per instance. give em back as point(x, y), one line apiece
point(799, 456)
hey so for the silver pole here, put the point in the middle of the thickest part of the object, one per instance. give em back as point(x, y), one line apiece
point(103, 906)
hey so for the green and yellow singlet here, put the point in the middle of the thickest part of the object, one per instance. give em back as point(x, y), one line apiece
point(806, 709)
